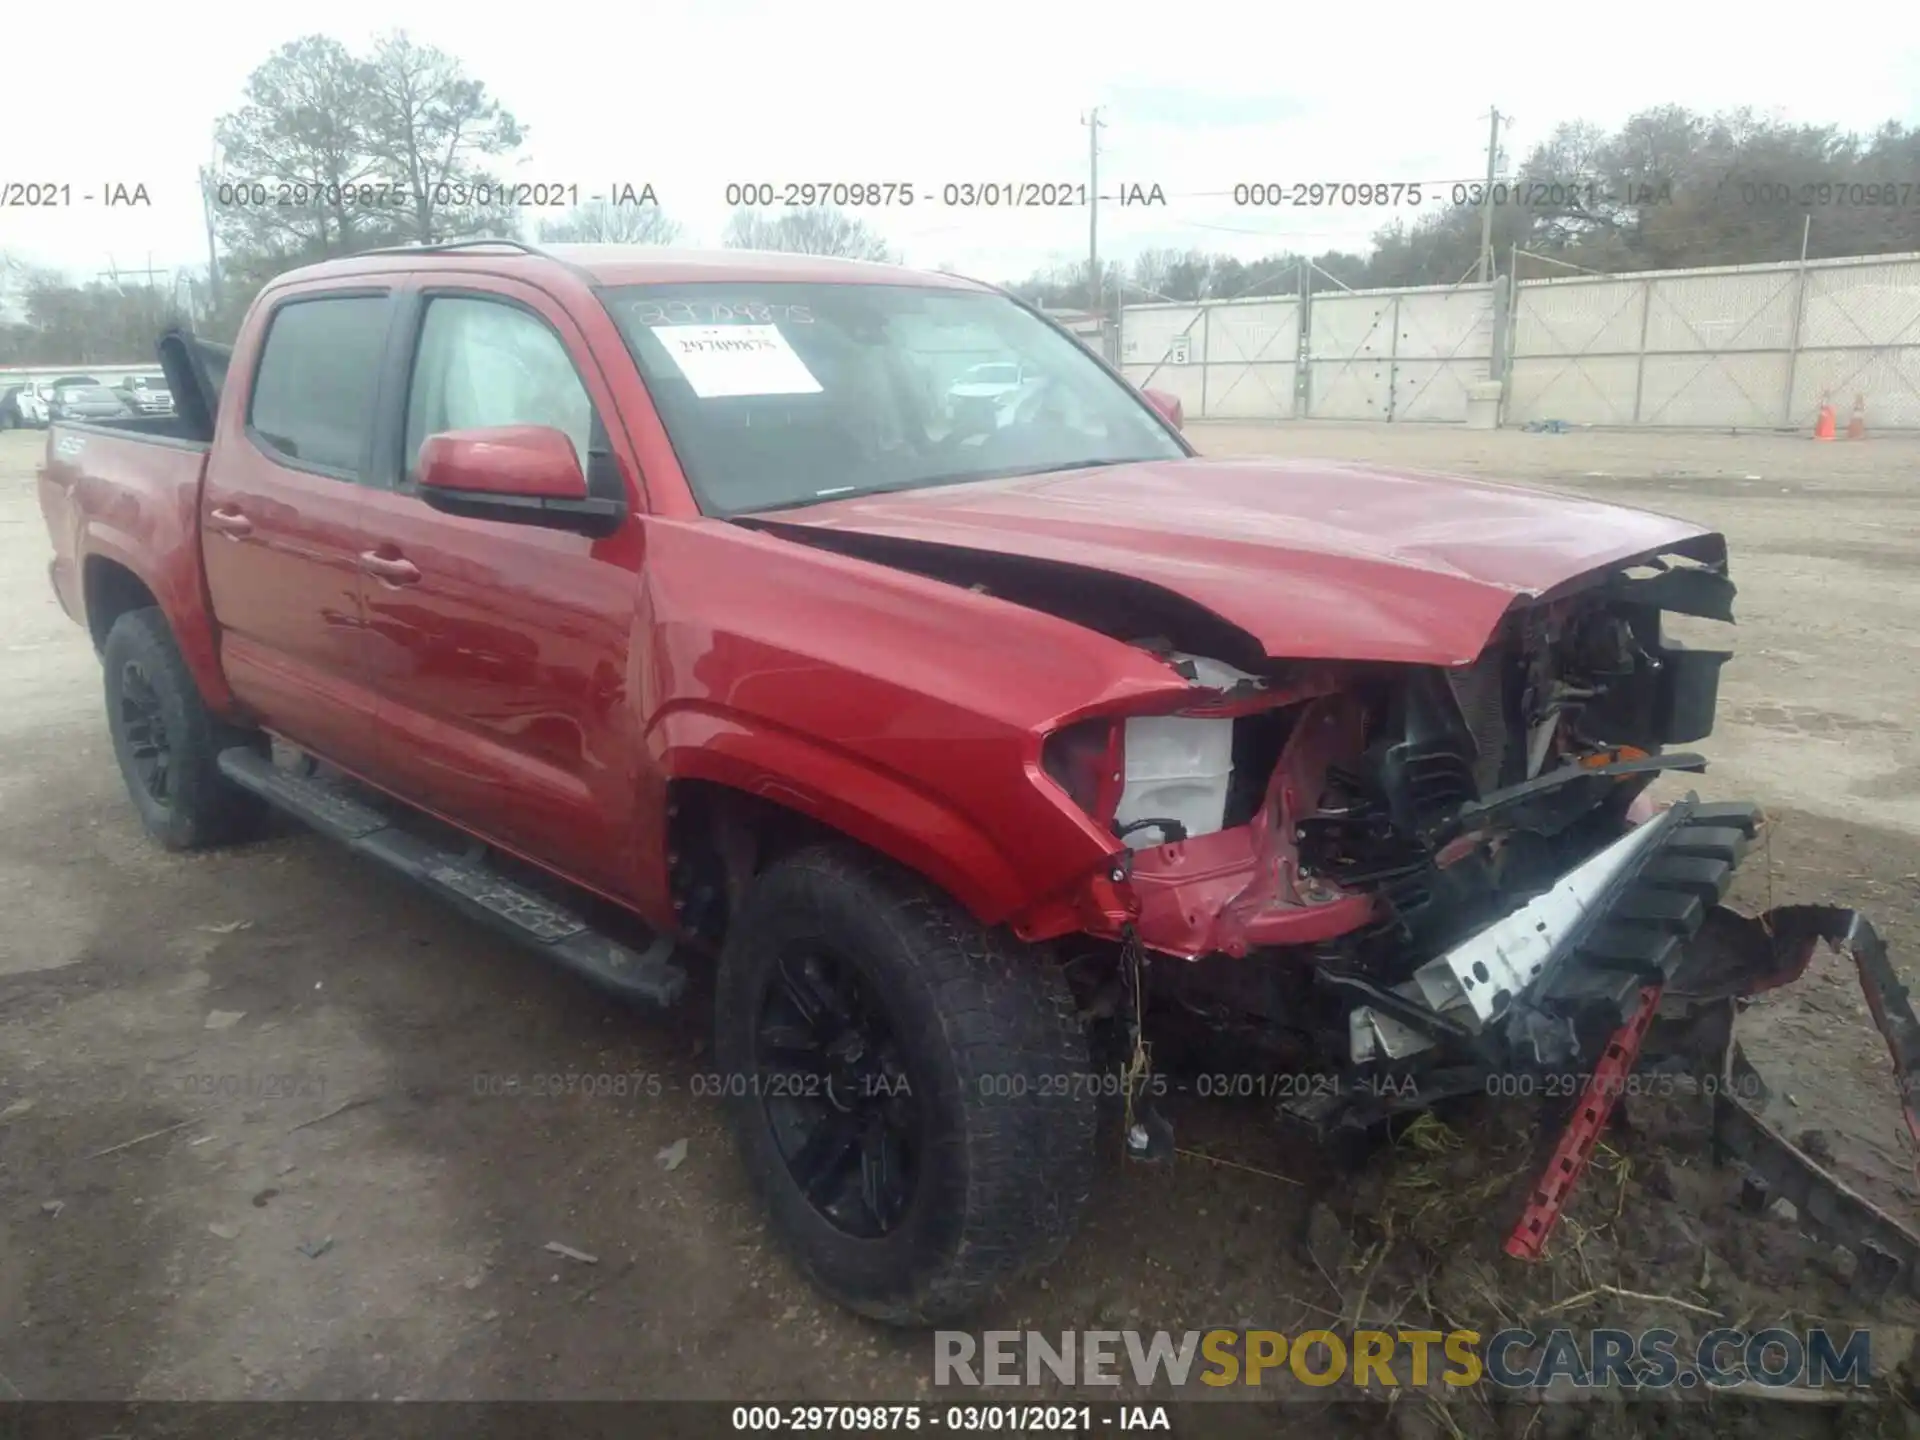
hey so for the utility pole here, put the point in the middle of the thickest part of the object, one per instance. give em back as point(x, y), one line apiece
point(1485, 271)
point(213, 256)
point(1094, 125)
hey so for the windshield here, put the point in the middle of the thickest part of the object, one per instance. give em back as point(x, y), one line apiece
point(782, 394)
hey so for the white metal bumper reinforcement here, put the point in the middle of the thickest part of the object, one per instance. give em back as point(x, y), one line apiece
point(1476, 982)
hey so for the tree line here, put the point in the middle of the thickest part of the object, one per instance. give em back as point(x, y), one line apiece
point(400, 145)
point(1669, 189)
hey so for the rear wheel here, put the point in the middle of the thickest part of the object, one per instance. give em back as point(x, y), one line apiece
point(909, 1091)
point(167, 742)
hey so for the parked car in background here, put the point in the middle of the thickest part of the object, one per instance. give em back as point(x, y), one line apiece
point(145, 395)
point(993, 381)
point(21, 407)
point(989, 391)
point(86, 402)
point(50, 389)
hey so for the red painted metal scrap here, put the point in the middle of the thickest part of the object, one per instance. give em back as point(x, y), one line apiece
point(1577, 1141)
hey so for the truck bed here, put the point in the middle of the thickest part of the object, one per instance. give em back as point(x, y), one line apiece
point(151, 427)
point(132, 489)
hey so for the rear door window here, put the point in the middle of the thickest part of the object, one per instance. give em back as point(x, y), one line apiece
point(313, 393)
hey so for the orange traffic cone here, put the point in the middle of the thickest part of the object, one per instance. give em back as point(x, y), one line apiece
point(1857, 422)
point(1823, 427)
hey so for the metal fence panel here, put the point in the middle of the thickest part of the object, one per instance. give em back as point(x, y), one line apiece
point(1443, 344)
point(1160, 346)
point(1747, 346)
point(1575, 353)
point(1251, 357)
point(1350, 356)
point(1717, 347)
point(1860, 336)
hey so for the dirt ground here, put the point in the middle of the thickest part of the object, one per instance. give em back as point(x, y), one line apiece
point(252, 1142)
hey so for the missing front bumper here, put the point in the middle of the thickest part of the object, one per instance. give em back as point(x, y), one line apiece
point(1572, 962)
point(1632, 960)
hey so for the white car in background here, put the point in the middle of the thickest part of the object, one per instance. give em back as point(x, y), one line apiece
point(991, 390)
point(22, 408)
point(993, 381)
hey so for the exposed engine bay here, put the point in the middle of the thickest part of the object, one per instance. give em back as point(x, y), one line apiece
point(1377, 815)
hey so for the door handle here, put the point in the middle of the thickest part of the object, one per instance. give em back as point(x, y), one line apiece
point(230, 522)
point(391, 569)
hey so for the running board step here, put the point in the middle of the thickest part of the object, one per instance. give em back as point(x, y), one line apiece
point(334, 809)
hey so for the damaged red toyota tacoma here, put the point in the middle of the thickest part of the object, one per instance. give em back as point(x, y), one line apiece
point(859, 634)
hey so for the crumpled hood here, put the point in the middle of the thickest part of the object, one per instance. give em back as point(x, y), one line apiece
point(1315, 559)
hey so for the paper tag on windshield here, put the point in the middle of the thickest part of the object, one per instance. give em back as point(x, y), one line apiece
point(736, 360)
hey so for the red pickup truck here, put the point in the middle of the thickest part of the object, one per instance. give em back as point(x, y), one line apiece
point(671, 609)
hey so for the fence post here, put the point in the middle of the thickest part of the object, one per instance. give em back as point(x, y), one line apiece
point(1799, 317)
point(1640, 361)
point(1502, 310)
point(1303, 348)
point(1513, 329)
point(1393, 359)
point(1206, 349)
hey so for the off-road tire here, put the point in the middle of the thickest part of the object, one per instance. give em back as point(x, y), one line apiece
point(1007, 1141)
point(201, 807)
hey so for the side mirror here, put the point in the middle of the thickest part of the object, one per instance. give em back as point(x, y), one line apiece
point(519, 474)
point(1169, 407)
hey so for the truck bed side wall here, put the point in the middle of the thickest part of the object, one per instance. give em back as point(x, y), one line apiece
point(117, 498)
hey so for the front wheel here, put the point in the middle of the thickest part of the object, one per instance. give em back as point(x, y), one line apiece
point(167, 742)
point(910, 1092)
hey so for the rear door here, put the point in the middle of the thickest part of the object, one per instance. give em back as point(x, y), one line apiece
point(281, 514)
point(502, 653)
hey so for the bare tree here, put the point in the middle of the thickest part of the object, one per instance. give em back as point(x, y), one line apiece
point(431, 125)
point(1152, 269)
point(821, 231)
point(294, 154)
point(601, 222)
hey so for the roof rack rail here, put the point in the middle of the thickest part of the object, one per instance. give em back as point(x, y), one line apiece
point(478, 242)
point(440, 246)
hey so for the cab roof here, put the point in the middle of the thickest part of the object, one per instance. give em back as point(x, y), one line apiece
point(637, 265)
point(653, 264)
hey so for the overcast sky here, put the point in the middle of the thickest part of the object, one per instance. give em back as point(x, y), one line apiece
point(1196, 97)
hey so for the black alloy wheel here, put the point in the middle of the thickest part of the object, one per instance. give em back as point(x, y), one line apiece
point(836, 1092)
point(166, 742)
point(144, 728)
point(910, 1090)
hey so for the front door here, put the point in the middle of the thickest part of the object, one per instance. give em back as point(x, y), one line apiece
point(500, 653)
point(280, 517)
